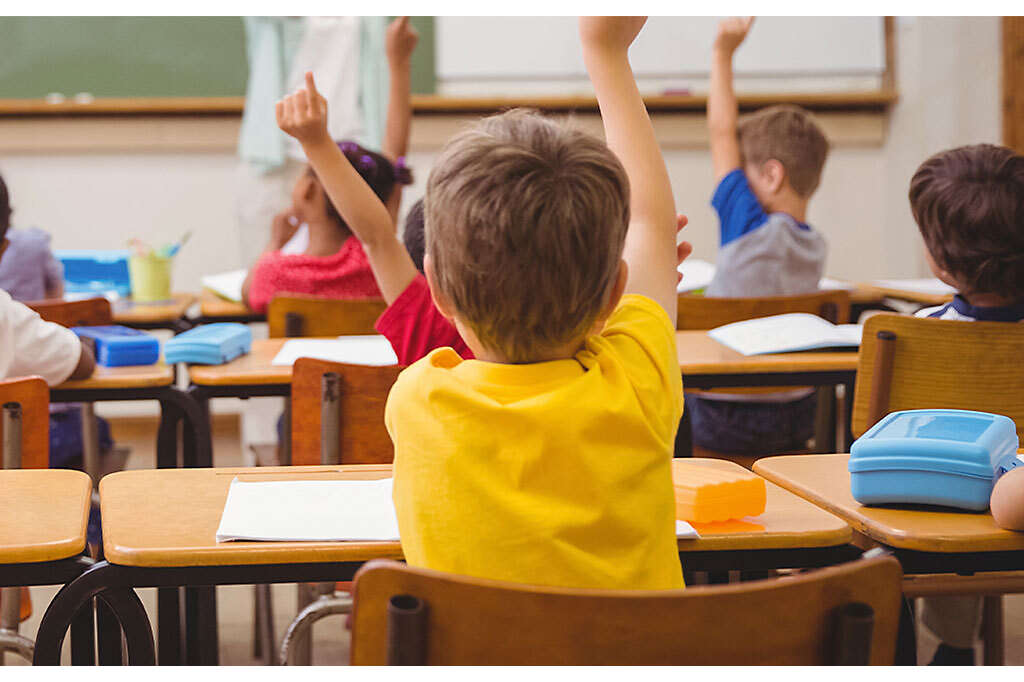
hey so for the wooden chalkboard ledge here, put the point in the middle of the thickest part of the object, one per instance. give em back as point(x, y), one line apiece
point(435, 104)
point(879, 100)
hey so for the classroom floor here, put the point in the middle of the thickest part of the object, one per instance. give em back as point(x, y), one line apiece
point(234, 603)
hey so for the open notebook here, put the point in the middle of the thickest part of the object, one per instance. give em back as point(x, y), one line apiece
point(927, 285)
point(786, 334)
point(374, 350)
point(319, 511)
point(227, 284)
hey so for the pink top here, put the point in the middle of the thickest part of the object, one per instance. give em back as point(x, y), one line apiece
point(346, 274)
point(414, 326)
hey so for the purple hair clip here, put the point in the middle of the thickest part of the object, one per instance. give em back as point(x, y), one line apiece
point(366, 163)
point(348, 147)
point(403, 174)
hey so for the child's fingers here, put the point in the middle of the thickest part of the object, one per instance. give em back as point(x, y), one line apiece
point(279, 112)
point(683, 251)
point(311, 86)
point(747, 23)
point(402, 23)
point(681, 222)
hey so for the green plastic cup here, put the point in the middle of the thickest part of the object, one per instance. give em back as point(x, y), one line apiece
point(150, 278)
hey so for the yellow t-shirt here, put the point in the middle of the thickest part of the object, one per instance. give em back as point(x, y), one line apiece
point(554, 473)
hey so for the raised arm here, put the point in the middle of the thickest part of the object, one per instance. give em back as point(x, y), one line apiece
point(723, 111)
point(400, 42)
point(303, 115)
point(650, 242)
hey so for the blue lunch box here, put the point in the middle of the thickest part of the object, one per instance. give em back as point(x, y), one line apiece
point(117, 346)
point(943, 457)
point(210, 344)
point(95, 272)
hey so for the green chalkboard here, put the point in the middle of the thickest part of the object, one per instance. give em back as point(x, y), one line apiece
point(143, 56)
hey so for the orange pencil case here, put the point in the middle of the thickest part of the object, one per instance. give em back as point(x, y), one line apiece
point(705, 494)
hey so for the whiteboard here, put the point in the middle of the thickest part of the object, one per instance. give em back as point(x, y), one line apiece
point(484, 55)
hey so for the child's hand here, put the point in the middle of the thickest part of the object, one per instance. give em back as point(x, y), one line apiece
point(400, 41)
point(683, 249)
point(283, 228)
point(303, 114)
point(610, 33)
point(731, 33)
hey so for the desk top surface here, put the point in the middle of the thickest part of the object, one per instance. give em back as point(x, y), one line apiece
point(141, 528)
point(211, 305)
point(825, 481)
point(43, 514)
point(698, 354)
point(127, 311)
point(131, 376)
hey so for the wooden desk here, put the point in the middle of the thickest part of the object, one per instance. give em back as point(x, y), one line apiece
point(879, 293)
point(252, 369)
point(158, 315)
point(43, 514)
point(132, 376)
point(213, 308)
point(925, 539)
point(43, 519)
point(150, 543)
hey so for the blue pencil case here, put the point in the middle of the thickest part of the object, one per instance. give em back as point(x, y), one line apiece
point(117, 346)
point(941, 457)
point(210, 344)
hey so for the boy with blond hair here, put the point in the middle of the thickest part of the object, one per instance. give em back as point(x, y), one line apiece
point(767, 167)
point(547, 459)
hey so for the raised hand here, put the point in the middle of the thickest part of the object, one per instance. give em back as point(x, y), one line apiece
point(732, 32)
point(283, 228)
point(400, 41)
point(303, 114)
point(610, 33)
point(684, 248)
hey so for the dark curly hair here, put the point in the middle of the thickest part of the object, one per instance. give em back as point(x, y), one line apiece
point(412, 234)
point(969, 205)
point(378, 172)
point(5, 209)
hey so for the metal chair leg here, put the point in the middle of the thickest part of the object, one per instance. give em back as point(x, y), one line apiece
point(264, 636)
point(303, 645)
point(10, 620)
point(301, 628)
point(15, 643)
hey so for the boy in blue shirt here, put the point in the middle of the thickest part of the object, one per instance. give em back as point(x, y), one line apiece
point(767, 167)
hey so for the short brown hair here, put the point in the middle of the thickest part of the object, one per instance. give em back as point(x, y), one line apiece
point(790, 135)
point(969, 205)
point(525, 224)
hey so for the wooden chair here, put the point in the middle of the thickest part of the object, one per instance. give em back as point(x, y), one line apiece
point(24, 444)
point(291, 315)
point(88, 312)
point(338, 419)
point(847, 614)
point(702, 312)
point(909, 363)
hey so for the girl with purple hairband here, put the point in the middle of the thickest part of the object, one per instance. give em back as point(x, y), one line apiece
point(332, 263)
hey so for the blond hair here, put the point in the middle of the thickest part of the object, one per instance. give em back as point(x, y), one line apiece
point(525, 225)
point(790, 135)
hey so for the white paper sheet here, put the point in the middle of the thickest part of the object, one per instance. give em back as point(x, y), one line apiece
point(697, 274)
point(685, 530)
point(786, 334)
point(227, 284)
point(374, 350)
point(315, 511)
point(827, 284)
point(927, 285)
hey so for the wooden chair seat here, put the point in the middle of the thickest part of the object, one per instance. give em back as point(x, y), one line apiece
point(406, 615)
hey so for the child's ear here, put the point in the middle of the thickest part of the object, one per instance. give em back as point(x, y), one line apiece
point(775, 174)
point(441, 302)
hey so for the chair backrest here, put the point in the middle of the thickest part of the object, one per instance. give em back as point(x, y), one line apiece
point(89, 312)
point(910, 363)
point(31, 395)
point(702, 312)
point(291, 315)
point(782, 621)
point(356, 395)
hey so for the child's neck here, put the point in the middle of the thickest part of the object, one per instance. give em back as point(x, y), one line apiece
point(481, 352)
point(987, 300)
point(325, 237)
point(789, 203)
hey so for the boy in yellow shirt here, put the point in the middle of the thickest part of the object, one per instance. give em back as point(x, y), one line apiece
point(546, 460)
